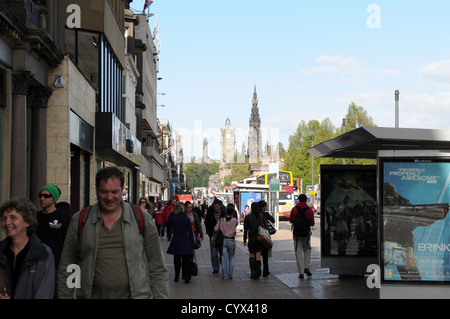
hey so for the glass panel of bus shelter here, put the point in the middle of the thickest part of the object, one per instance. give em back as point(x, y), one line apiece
point(348, 210)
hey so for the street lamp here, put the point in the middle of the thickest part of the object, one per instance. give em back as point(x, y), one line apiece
point(397, 98)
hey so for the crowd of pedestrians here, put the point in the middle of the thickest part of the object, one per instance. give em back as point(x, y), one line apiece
point(41, 251)
point(116, 239)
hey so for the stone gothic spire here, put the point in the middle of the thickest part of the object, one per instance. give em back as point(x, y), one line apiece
point(254, 135)
point(254, 117)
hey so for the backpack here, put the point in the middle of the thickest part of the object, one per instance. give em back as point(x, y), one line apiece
point(301, 223)
point(136, 210)
point(159, 218)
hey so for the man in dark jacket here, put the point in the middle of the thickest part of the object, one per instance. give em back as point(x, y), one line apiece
point(212, 216)
point(302, 244)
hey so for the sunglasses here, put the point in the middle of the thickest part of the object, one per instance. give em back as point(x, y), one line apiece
point(45, 195)
point(142, 202)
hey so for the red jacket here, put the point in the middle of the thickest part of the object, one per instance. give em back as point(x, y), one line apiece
point(309, 213)
point(167, 211)
point(159, 217)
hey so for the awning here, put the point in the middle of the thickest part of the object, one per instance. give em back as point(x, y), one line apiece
point(364, 142)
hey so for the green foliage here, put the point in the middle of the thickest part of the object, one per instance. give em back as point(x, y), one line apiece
point(199, 173)
point(299, 161)
point(239, 171)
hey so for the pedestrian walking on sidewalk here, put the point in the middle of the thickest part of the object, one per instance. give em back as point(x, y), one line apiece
point(52, 223)
point(266, 252)
point(302, 218)
point(168, 209)
point(228, 226)
point(182, 243)
point(159, 217)
point(119, 256)
point(196, 224)
point(27, 267)
point(212, 217)
point(251, 224)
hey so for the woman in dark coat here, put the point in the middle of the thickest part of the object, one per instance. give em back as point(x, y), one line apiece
point(27, 264)
point(182, 243)
point(251, 223)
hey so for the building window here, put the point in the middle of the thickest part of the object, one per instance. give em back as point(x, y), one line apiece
point(88, 56)
point(111, 81)
point(95, 58)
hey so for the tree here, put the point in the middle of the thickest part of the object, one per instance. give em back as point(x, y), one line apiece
point(239, 171)
point(199, 173)
point(299, 161)
point(357, 117)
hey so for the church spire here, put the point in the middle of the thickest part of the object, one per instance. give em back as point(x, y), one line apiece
point(254, 135)
point(255, 98)
point(254, 117)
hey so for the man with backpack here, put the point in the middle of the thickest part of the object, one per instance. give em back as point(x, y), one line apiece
point(116, 247)
point(302, 218)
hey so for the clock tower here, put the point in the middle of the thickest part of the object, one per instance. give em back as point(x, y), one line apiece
point(228, 141)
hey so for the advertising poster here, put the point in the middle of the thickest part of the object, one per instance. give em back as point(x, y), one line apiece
point(247, 198)
point(349, 210)
point(416, 224)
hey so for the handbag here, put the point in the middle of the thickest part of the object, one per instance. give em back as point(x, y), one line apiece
point(263, 236)
point(217, 239)
point(194, 267)
point(197, 239)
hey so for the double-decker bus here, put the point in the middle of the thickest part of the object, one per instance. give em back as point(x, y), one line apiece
point(286, 199)
point(284, 176)
point(296, 185)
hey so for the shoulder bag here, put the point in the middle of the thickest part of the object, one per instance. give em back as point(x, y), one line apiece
point(263, 235)
point(269, 226)
point(217, 239)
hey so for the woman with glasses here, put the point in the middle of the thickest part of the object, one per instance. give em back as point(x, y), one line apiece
point(27, 268)
point(142, 203)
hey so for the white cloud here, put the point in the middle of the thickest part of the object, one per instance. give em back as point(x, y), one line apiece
point(338, 65)
point(437, 71)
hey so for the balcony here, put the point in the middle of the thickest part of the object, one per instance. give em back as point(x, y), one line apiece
point(152, 164)
point(114, 141)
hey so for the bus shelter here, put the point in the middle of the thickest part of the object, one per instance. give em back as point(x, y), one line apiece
point(412, 224)
point(246, 194)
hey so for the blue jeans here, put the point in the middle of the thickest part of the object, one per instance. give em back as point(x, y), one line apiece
point(229, 248)
point(214, 257)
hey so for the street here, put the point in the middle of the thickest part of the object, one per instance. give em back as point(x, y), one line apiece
point(282, 283)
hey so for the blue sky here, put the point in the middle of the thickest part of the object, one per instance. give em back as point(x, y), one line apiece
point(308, 59)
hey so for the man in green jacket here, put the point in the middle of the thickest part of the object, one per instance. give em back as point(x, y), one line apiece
point(115, 260)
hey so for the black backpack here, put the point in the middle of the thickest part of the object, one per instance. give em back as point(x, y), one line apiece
point(301, 224)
